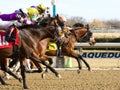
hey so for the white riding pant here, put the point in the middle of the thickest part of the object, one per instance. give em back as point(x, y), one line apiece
point(28, 64)
point(7, 24)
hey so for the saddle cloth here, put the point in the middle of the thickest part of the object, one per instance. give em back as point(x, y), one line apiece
point(6, 44)
point(51, 46)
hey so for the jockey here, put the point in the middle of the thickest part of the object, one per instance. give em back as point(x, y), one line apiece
point(61, 34)
point(20, 17)
point(34, 12)
point(60, 30)
point(26, 16)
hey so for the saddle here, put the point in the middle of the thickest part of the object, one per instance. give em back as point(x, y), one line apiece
point(9, 39)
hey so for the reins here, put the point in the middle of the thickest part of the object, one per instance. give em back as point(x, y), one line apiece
point(47, 30)
point(54, 26)
point(74, 33)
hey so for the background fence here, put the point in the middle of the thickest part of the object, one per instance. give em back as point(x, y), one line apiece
point(98, 45)
point(106, 58)
point(105, 30)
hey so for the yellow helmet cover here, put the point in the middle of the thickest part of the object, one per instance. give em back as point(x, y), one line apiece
point(41, 6)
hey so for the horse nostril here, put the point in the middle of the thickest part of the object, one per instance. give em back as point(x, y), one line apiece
point(94, 43)
point(90, 43)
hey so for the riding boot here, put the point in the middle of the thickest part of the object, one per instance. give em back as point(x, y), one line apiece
point(58, 48)
point(15, 51)
point(10, 37)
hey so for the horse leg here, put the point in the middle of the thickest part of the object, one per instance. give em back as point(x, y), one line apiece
point(28, 68)
point(23, 74)
point(17, 66)
point(53, 70)
point(38, 65)
point(13, 62)
point(50, 62)
point(32, 64)
point(2, 81)
point(12, 74)
point(88, 66)
point(76, 56)
point(79, 64)
point(5, 68)
point(44, 63)
point(46, 70)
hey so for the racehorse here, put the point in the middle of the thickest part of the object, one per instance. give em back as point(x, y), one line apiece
point(45, 22)
point(76, 33)
point(6, 50)
point(28, 42)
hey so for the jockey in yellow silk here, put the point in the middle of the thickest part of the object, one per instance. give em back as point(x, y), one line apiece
point(34, 12)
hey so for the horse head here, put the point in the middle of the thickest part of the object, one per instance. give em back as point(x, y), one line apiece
point(55, 21)
point(58, 22)
point(83, 32)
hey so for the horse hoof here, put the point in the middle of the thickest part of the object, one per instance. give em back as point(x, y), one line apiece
point(20, 80)
point(5, 84)
point(43, 75)
point(59, 76)
point(89, 69)
point(78, 71)
point(26, 87)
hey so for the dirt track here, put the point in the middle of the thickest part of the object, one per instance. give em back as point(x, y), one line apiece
point(95, 80)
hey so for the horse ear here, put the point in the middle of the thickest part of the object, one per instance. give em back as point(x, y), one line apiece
point(87, 26)
point(49, 15)
point(57, 15)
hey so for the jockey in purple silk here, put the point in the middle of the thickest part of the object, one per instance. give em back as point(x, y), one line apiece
point(26, 16)
point(20, 17)
point(16, 16)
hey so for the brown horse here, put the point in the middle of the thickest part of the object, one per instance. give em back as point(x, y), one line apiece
point(34, 34)
point(6, 50)
point(77, 33)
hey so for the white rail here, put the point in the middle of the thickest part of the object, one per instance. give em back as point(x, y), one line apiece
point(98, 45)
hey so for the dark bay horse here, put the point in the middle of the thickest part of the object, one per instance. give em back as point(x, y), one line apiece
point(29, 38)
point(6, 50)
point(34, 34)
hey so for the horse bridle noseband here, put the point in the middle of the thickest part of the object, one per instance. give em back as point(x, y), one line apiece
point(83, 36)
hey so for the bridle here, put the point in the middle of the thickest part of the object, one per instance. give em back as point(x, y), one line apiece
point(84, 36)
point(56, 23)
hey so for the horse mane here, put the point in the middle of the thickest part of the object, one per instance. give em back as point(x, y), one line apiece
point(38, 24)
point(24, 35)
point(75, 28)
point(28, 26)
point(43, 22)
point(78, 25)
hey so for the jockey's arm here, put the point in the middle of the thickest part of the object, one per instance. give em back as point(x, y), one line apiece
point(26, 21)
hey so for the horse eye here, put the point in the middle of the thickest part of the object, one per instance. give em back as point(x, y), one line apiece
point(90, 33)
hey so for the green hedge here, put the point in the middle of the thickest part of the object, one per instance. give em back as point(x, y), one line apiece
point(107, 40)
